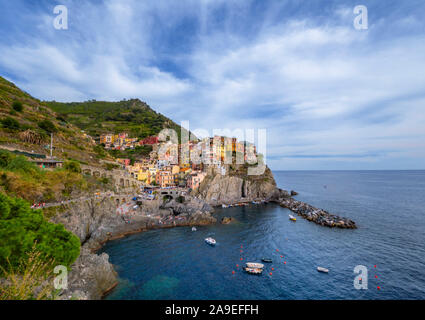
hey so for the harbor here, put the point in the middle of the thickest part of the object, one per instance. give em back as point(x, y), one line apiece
point(176, 263)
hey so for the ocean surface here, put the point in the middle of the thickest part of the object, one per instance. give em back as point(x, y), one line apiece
point(388, 207)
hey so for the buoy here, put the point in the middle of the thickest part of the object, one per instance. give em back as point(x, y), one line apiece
point(241, 259)
point(379, 288)
point(270, 273)
point(277, 250)
point(237, 266)
point(281, 256)
point(284, 262)
point(241, 251)
point(376, 277)
point(273, 269)
point(233, 272)
point(360, 279)
point(374, 266)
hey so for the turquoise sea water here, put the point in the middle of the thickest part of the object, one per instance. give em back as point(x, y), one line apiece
point(388, 207)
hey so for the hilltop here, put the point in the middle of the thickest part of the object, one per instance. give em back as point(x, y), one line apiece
point(133, 116)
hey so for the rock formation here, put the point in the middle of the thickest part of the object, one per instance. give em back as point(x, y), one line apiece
point(236, 186)
point(96, 221)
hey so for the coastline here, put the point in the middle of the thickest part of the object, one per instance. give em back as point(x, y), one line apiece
point(96, 221)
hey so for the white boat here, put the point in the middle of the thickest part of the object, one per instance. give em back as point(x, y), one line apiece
point(210, 241)
point(292, 218)
point(321, 269)
point(224, 206)
point(193, 229)
point(255, 265)
point(254, 270)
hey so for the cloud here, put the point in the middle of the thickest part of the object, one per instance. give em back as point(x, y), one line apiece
point(325, 92)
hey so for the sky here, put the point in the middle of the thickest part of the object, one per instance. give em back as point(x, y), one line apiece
point(328, 95)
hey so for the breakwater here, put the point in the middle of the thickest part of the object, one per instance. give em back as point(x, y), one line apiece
point(316, 215)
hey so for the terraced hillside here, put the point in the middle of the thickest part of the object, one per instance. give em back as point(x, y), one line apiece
point(26, 124)
point(132, 116)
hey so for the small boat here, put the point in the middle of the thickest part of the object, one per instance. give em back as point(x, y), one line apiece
point(254, 270)
point(321, 269)
point(267, 260)
point(254, 265)
point(225, 206)
point(292, 218)
point(193, 228)
point(210, 241)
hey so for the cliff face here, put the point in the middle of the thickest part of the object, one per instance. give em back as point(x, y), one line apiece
point(96, 221)
point(236, 186)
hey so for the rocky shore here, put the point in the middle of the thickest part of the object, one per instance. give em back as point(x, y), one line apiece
point(316, 215)
point(98, 220)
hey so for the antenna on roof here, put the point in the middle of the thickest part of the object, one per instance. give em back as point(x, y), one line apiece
point(51, 145)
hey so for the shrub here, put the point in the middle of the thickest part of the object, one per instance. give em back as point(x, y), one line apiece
point(17, 106)
point(47, 126)
point(10, 123)
point(28, 281)
point(72, 166)
point(5, 158)
point(99, 151)
point(22, 229)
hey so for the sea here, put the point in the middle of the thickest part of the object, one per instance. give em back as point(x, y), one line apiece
point(383, 259)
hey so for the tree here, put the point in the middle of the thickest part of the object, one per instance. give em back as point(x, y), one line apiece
point(22, 229)
point(17, 106)
point(10, 123)
point(72, 166)
point(47, 126)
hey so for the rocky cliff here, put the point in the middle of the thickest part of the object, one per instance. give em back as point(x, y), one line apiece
point(236, 186)
point(98, 220)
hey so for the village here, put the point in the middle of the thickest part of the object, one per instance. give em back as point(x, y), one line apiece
point(181, 166)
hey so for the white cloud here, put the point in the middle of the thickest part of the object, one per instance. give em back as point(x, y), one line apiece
point(320, 89)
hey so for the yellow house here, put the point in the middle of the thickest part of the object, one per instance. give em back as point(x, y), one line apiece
point(175, 170)
point(143, 174)
point(151, 174)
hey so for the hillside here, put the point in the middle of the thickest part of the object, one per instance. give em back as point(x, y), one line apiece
point(26, 124)
point(132, 116)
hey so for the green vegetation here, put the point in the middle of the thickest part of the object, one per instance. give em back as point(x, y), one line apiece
point(47, 126)
point(72, 166)
point(132, 116)
point(28, 281)
point(17, 106)
point(22, 229)
point(10, 123)
point(22, 178)
point(35, 121)
point(132, 154)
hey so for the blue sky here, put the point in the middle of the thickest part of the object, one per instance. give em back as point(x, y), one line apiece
point(329, 96)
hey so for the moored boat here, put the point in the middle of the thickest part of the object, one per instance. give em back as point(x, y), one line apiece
point(267, 260)
point(210, 241)
point(321, 269)
point(255, 265)
point(292, 218)
point(254, 270)
point(193, 228)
